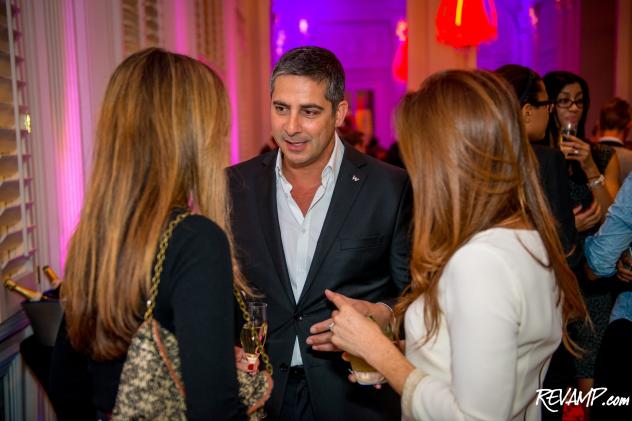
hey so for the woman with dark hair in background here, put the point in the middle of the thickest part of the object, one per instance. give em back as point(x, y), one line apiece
point(160, 151)
point(594, 182)
point(593, 170)
point(536, 107)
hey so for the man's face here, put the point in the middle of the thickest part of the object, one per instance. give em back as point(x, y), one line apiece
point(303, 122)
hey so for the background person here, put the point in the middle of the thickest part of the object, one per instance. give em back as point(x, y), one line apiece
point(593, 171)
point(594, 182)
point(613, 366)
point(614, 127)
point(536, 107)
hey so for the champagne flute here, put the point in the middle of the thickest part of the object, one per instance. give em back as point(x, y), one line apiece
point(253, 336)
point(253, 333)
point(568, 129)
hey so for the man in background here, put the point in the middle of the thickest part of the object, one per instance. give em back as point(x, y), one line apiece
point(614, 127)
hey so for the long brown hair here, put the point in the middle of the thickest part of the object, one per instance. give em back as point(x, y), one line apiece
point(161, 142)
point(471, 168)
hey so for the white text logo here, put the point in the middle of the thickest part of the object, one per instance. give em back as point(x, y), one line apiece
point(557, 397)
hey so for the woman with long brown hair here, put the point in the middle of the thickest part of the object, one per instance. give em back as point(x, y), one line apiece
point(161, 149)
point(491, 292)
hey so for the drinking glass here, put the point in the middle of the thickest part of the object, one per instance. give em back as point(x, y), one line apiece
point(568, 129)
point(364, 373)
point(253, 336)
point(253, 333)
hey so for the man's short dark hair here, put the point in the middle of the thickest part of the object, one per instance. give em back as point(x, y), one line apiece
point(316, 63)
point(614, 115)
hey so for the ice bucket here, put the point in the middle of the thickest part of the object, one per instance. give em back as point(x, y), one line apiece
point(45, 317)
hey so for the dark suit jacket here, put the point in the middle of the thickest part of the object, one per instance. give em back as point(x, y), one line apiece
point(554, 178)
point(362, 252)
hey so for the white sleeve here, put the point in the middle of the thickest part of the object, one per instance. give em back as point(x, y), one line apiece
point(482, 313)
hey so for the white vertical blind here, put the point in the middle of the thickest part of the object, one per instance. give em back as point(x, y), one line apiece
point(141, 24)
point(209, 32)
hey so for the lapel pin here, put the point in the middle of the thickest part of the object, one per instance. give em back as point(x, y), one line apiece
point(354, 178)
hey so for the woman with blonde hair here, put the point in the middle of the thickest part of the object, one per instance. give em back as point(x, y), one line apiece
point(161, 149)
point(491, 292)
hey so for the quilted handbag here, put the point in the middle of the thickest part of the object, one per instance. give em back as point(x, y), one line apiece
point(151, 386)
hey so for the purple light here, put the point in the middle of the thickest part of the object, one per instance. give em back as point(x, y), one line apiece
point(180, 18)
point(402, 30)
point(231, 83)
point(69, 153)
point(303, 26)
point(344, 30)
point(533, 16)
point(280, 42)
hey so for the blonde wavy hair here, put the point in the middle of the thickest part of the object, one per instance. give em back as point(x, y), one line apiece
point(471, 167)
point(161, 143)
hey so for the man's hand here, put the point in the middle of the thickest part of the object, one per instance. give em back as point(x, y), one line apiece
point(320, 340)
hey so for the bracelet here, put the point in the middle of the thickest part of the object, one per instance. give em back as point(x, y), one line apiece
point(386, 305)
point(599, 181)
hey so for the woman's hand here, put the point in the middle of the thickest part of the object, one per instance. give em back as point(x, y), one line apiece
point(575, 149)
point(242, 362)
point(320, 338)
point(360, 336)
point(588, 218)
point(623, 271)
point(352, 331)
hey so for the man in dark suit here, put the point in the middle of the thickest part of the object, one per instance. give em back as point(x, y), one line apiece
point(316, 215)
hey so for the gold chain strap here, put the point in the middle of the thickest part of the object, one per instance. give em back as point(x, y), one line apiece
point(160, 258)
point(155, 280)
point(242, 306)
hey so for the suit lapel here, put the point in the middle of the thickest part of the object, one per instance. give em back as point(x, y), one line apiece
point(351, 178)
point(268, 216)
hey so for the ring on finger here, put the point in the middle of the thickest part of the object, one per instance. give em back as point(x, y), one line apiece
point(331, 326)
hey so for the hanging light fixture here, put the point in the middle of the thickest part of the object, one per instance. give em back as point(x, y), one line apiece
point(462, 23)
point(400, 61)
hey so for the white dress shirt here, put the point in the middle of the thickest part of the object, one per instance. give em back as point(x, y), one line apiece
point(299, 233)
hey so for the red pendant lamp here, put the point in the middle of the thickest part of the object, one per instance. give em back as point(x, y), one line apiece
point(466, 23)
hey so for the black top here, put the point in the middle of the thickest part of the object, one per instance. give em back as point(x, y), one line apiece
point(580, 192)
point(554, 178)
point(195, 302)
